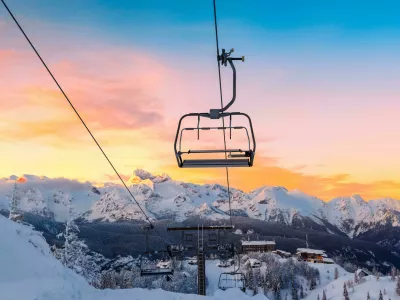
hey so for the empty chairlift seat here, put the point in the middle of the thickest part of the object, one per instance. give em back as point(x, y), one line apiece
point(243, 157)
point(230, 280)
point(156, 263)
point(235, 157)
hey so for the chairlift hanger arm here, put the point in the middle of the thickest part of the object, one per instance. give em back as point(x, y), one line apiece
point(225, 58)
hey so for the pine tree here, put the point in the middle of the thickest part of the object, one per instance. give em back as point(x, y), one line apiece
point(258, 278)
point(75, 253)
point(398, 286)
point(278, 292)
point(345, 293)
point(301, 292)
point(250, 280)
point(356, 278)
point(336, 273)
point(380, 295)
point(15, 201)
point(318, 297)
point(368, 296)
point(295, 295)
point(313, 284)
point(323, 295)
point(393, 273)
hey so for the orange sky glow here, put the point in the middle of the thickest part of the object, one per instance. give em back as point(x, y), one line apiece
point(132, 102)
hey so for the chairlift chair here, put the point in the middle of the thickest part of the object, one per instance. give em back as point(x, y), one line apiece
point(149, 259)
point(229, 280)
point(149, 266)
point(234, 157)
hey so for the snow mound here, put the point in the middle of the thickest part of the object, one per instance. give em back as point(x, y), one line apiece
point(29, 271)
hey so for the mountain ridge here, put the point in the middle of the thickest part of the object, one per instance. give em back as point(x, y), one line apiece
point(164, 198)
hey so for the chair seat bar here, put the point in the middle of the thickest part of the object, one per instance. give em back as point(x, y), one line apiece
point(213, 163)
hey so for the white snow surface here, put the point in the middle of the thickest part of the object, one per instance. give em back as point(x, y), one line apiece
point(334, 288)
point(29, 271)
point(249, 243)
point(161, 197)
point(311, 251)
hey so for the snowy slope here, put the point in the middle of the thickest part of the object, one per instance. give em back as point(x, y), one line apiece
point(334, 288)
point(347, 213)
point(277, 204)
point(29, 271)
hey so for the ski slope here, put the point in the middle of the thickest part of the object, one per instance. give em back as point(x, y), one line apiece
point(30, 272)
point(334, 288)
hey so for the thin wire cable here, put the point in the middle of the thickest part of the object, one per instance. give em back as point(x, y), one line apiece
point(223, 125)
point(222, 105)
point(80, 118)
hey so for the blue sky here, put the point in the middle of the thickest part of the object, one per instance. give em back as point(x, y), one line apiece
point(126, 18)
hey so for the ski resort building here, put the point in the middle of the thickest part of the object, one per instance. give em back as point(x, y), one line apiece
point(311, 255)
point(282, 253)
point(362, 273)
point(258, 246)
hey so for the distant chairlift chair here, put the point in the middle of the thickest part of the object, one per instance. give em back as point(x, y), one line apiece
point(230, 280)
point(236, 157)
point(233, 279)
point(149, 259)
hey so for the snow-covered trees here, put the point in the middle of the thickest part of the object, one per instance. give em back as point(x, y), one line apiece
point(15, 200)
point(277, 275)
point(313, 284)
point(356, 279)
point(257, 279)
point(301, 292)
point(250, 280)
point(323, 295)
point(393, 273)
point(75, 254)
point(336, 273)
point(380, 295)
point(278, 292)
point(345, 292)
point(295, 295)
point(398, 286)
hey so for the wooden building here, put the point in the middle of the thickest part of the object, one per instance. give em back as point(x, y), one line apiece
point(283, 254)
point(311, 255)
point(258, 246)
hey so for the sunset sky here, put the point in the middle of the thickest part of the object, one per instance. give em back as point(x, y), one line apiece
point(321, 82)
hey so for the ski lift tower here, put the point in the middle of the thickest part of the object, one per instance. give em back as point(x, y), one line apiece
point(200, 249)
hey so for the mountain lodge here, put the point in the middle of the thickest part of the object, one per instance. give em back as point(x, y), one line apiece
point(311, 255)
point(258, 246)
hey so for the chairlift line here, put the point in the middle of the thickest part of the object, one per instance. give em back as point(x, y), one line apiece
point(242, 157)
point(80, 118)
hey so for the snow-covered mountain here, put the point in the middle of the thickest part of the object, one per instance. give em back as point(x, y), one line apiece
point(163, 198)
